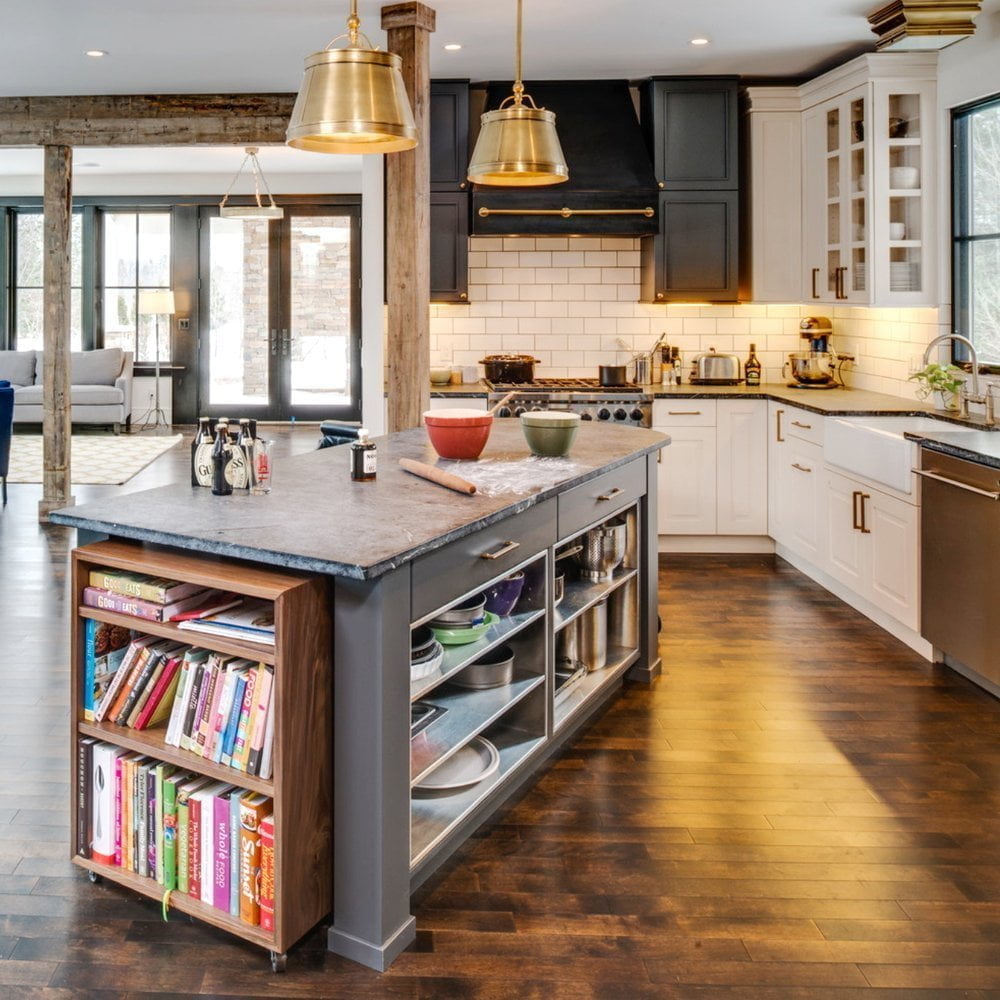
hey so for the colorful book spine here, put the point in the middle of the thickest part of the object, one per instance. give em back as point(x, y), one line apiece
point(220, 883)
point(194, 845)
point(144, 688)
point(184, 793)
point(119, 811)
point(169, 811)
point(255, 742)
point(89, 668)
point(234, 852)
point(160, 701)
point(220, 715)
point(84, 795)
point(229, 740)
point(194, 695)
point(147, 610)
point(253, 808)
point(240, 747)
point(267, 754)
point(157, 590)
point(105, 759)
point(206, 720)
point(138, 665)
point(124, 671)
point(267, 873)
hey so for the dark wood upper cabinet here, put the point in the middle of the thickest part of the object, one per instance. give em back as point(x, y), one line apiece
point(449, 124)
point(449, 246)
point(691, 125)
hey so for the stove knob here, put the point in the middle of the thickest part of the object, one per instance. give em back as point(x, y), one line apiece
point(504, 411)
point(637, 415)
point(586, 416)
point(537, 409)
point(518, 411)
point(620, 414)
point(603, 414)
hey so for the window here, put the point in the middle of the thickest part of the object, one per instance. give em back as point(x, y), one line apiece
point(976, 173)
point(136, 257)
point(28, 316)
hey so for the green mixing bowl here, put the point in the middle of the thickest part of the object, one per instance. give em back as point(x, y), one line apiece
point(550, 433)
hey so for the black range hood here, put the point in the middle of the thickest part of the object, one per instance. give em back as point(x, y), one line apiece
point(610, 172)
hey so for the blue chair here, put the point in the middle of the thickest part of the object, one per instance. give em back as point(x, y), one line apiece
point(6, 429)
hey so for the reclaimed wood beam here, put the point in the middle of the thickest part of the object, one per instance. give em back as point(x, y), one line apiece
point(407, 225)
point(56, 283)
point(150, 120)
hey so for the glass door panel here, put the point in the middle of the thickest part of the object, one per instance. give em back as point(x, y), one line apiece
point(902, 133)
point(238, 314)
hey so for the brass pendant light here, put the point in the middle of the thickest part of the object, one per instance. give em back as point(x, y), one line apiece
point(260, 210)
point(518, 145)
point(352, 99)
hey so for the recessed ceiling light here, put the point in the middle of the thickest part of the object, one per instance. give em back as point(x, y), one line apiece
point(96, 53)
point(700, 40)
point(452, 47)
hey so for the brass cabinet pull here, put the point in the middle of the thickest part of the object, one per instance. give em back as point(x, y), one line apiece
point(777, 425)
point(864, 523)
point(805, 427)
point(611, 494)
point(841, 289)
point(683, 413)
point(502, 551)
point(854, 510)
point(815, 275)
point(801, 468)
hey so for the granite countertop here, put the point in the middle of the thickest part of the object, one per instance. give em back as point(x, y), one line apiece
point(833, 402)
point(975, 446)
point(317, 519)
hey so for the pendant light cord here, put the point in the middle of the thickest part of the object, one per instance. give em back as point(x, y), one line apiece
point(353, 23)
point(518, 83)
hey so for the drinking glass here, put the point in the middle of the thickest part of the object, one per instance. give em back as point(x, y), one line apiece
point(260, 471)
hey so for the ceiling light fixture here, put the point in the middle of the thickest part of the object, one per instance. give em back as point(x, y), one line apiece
point(96, 53)
point(352, 99)
point(700, 40)
point(518, 145)
point(452, 47)
point(260, 210)
point(915, 25)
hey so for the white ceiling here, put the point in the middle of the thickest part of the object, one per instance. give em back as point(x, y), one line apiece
point(219, 46)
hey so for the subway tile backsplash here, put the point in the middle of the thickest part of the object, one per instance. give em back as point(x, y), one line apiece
point(572, 303)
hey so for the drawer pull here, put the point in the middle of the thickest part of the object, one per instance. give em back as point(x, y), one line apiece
point(857, 525)
point(684, 413)
point(611, 494)
point(865, 530)
point(801, 468)
point(502, 551)
point(989, 494)
point(805, 427)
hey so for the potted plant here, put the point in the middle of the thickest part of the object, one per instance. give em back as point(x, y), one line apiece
point(946, 380)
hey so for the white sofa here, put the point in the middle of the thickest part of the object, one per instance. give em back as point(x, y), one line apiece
point(100, 386)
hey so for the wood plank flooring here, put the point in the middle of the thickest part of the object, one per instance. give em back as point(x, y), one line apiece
point(800, 808)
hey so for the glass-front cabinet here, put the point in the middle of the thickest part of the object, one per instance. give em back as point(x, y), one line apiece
point(868, 186)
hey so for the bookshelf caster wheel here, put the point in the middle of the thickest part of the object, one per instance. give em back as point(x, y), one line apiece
point(278, 961)
point(94, 877)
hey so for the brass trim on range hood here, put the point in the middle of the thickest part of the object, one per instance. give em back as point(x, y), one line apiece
point(567, 213)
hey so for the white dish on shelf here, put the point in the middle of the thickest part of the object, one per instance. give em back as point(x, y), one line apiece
point(904, 178)
point(477, 760)
point(418, 671)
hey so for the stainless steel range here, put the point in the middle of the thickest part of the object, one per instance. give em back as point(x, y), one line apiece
point(620, 404)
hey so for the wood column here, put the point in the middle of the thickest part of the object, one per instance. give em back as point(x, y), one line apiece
point(56, 281)
point(407, 226)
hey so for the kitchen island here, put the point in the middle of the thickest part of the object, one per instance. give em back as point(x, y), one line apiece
point(393, 554)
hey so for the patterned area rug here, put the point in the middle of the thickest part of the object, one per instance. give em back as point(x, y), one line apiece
point(96, 459)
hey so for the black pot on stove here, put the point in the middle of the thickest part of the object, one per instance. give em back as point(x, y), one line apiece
point(512, 368)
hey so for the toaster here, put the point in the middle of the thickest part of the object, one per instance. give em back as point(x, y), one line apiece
point(715, 369)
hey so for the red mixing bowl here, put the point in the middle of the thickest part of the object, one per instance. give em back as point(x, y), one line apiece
point(458, 433)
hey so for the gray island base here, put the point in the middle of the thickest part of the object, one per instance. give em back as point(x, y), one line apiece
point(395, 553)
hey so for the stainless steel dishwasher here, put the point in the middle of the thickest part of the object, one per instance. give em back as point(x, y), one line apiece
point(960, 561)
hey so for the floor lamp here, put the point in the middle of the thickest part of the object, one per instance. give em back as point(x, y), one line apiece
point(156, 302)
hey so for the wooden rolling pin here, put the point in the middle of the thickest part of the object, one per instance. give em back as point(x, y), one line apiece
point(439, 476)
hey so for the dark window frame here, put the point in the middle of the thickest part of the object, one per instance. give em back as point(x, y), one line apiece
point(962, 237)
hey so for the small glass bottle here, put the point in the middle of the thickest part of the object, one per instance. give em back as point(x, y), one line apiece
point(201, 454)
point(221, 486)
point(363, 457)
point(752, 367)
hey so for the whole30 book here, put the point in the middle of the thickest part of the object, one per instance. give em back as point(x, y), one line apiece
point(147, 588)
point(94, 597)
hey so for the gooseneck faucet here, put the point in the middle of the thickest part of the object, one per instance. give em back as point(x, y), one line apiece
point(966, 398)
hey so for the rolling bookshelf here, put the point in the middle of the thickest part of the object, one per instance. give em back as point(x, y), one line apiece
point(301, 782)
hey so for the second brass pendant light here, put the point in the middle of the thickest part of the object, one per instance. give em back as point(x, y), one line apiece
point(518, 145)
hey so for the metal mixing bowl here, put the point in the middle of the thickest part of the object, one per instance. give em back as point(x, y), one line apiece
point(603, 549)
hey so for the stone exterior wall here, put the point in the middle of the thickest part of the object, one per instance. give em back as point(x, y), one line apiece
point(255, 307)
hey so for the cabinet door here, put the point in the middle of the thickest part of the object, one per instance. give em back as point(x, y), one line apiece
point(692, 129)
point(814, 188)
point(741, 467)
point(449, 134)
point(449, 246)
point(697, 250)
point(893, 547)
point(686, 503)
point(845, 547)
point(777, 445)
point(802, 485)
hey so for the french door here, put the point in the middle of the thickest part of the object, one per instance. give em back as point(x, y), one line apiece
point(280, 315)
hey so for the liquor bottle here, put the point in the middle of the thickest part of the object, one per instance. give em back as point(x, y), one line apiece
point(675, 361)
point(363, 457)
point(221, 486)
point(201, 454)
point(752, 367)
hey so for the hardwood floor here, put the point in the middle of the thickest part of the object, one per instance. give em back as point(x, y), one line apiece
point(800, 808)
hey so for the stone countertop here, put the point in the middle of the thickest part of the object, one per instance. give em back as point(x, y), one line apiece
point(979, 446)
point(317, 519)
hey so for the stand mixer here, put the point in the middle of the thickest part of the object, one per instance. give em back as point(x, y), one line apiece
point(818, 367)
